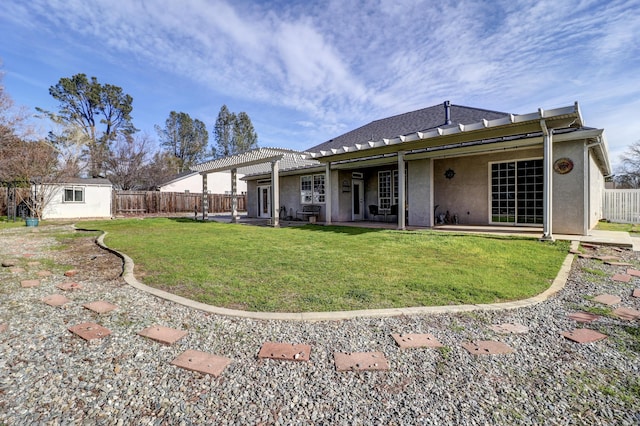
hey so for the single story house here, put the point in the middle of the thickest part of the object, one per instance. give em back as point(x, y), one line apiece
point(446, 162)
point(191, 182)
point(77, 198)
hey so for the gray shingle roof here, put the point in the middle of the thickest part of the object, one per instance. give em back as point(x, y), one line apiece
point(410, 122)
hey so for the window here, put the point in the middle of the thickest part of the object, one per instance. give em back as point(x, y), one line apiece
point(517, 192)
point(387, 189)
point(74, 195)
point(312, 189)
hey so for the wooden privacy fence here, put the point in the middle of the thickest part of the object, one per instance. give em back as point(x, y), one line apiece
point(154, 202)
point(622, 205)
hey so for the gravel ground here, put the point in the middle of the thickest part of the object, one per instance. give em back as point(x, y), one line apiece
point(50, 376)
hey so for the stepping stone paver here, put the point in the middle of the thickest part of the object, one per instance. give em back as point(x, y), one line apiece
point(100, 306)
point(633, 272)
point(202, 362)
point(626, 313)
point(285, 351)
point(416, 341)
point(612, 263)
point(44, 273)
point(584, 317)
point(623, 278)
point(360, 361)
point(70, 273)
point(16, 270)
point(487, 347)
point(509, 328)
point(30, 283)
point(69, 286)
point(589, 246)
point(36, 263)
point(162, 334)
point(636, 292)
point(607, 299)
point(90, 331)
point(55, 300)
point(608, 258)
point(584, 335)
point(585, 256)
point(4, 327)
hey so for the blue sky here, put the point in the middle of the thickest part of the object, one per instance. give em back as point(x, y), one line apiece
point(306, 71)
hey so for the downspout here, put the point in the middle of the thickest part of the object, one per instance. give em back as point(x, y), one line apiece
point(547, 220)
point(586, 193)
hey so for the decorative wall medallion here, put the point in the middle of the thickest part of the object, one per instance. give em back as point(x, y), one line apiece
point(449, 174)
point(563, 166)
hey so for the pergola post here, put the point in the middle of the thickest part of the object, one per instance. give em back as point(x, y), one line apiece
point(234, 196)
point(547, 219)
point(275, 198)
point(402, 198)
point(205, 198)
point(327, 194)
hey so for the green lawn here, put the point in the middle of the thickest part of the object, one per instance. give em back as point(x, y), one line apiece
point(624, 227)
point(324, 268)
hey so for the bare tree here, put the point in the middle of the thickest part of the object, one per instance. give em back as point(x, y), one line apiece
point(127, 160)
point(628, 173)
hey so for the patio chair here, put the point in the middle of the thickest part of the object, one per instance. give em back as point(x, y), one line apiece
point(373, 211)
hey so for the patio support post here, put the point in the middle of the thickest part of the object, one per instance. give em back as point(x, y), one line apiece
point(402, 198)
point(205, 198)
point(547, 219)
point(275, 188)
point(327, 194)
point(234, 196)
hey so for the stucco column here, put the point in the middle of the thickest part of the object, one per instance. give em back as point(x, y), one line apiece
point(402, 198)
point(234, 196)
point(547, 218)
point(275, 189)
point(327, 194)
point(205, 198)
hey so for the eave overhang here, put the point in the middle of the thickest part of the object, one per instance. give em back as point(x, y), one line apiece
point(447, 136)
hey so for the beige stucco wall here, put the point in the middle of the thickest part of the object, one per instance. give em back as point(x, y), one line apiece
point(419, 192)
point(596, 191)
point(467, 194)
point(568, 190)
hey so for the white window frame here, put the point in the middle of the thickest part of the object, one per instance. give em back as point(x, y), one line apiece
point(390, 196)
point(74, 191)
point(312, 189)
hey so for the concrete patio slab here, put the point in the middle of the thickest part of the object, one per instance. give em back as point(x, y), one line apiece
point(90, 331)
point(202, 362)
point(487, 347)
point(627, 314)
point(55, 300)
point(360, 361)
point(69, 286)
point(416, 341)
point(583, 317)
point(607, 299)
point(509, 328)
point(285, 351)
point(100, 306)
point(163, 334)
point(30, 283)
point(584, 335)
